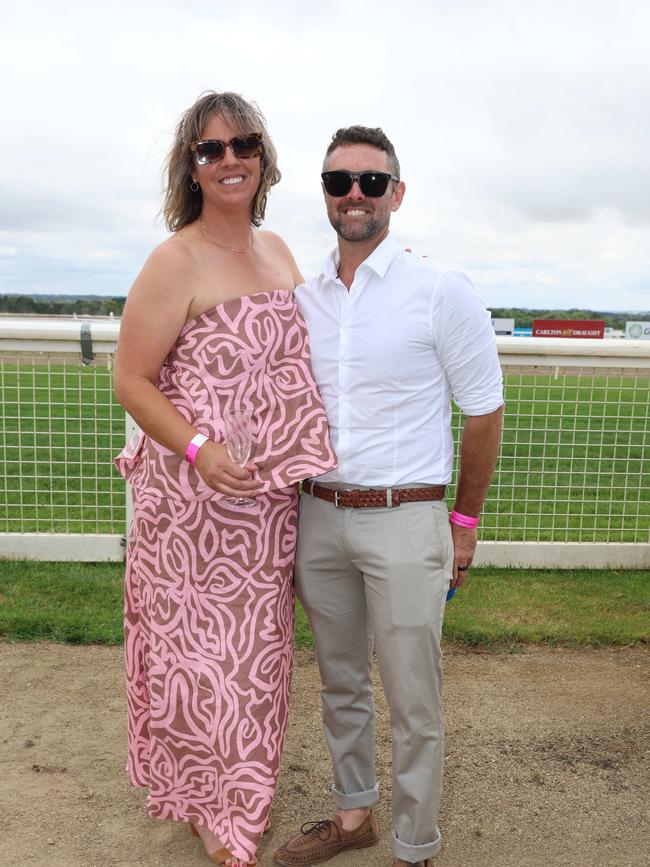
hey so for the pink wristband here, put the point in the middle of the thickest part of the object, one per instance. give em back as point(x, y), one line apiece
point(463, 520)
point(193, 448)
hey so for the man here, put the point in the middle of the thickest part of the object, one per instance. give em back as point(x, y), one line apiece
point(392, 337)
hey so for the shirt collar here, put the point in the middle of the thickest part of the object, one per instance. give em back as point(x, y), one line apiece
point(379, 260)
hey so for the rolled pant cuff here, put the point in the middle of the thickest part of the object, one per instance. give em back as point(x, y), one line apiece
point(413, 854)
point(357, 800)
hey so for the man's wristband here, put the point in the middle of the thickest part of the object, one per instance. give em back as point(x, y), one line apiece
point(463, 520)
point(193, 448)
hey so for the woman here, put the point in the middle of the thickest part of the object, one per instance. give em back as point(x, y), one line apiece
point(211, 324)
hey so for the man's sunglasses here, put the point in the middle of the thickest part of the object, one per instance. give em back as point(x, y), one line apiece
point(211, 150)
point(371, 184)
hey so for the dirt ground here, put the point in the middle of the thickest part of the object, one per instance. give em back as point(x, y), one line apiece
point(547, 763)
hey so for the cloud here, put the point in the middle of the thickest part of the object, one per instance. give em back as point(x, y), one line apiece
point(574, 148)
point(522, 131)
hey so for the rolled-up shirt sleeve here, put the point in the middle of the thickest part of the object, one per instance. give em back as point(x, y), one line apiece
point(464, 340)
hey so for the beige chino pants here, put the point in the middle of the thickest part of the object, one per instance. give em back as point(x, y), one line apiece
point(380, 575)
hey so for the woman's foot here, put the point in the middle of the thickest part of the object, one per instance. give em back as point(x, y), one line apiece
point(215, 849)
point(213, 845)
point(237, 862)
point(267, 828)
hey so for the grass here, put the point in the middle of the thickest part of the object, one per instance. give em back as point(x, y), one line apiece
point(79, 603)
point(571, 608)
point(497, 610)
point(574, 465)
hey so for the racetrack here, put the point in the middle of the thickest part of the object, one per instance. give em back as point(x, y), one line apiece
point(548, 758)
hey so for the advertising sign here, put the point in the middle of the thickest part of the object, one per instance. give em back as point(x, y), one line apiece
point(569, 328)
point(503, 326)
point(637, 330)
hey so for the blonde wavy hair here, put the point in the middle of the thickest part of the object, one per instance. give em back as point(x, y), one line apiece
point(181, 205)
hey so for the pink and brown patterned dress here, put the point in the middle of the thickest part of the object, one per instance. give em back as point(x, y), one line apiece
point(209, 602)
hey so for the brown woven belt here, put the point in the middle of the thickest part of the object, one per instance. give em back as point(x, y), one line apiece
point(373, 498)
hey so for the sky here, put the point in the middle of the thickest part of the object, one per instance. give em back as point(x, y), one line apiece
point(522, 129)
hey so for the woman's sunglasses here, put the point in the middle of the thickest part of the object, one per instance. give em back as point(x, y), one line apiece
point(211, 150)
point(371, 184)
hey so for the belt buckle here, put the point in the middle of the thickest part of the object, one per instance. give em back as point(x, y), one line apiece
point(389, 499)
point(338, 491)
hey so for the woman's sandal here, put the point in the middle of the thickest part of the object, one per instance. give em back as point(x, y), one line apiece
point(224, 856)
point(227, 859)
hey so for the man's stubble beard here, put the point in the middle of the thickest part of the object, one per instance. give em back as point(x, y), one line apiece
point(365, 232)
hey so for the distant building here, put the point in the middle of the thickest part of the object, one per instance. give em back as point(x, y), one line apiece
point(503, 326)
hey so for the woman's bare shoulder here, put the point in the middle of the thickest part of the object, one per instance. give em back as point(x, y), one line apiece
point(277, 247)
point(272, 240)
point(166, 276)
point(174, 254)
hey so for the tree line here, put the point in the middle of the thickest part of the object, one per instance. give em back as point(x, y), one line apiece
point(96, 305)
point(524, 316)
point(51, 305)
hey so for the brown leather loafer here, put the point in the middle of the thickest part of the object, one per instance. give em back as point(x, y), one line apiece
point(320, 841)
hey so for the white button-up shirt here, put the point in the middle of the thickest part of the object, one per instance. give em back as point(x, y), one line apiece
point(388, 355)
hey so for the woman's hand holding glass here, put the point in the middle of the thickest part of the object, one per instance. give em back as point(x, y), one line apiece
point(222, 474)
point(239, 442)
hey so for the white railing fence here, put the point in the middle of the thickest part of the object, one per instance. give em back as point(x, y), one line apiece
point(572, 487)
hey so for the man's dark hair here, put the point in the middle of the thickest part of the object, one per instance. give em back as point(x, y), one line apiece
point(374, 136)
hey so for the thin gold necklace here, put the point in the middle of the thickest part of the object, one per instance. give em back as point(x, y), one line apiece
point(225, 246)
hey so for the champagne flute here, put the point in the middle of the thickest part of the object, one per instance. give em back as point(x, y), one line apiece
point(239, 442)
